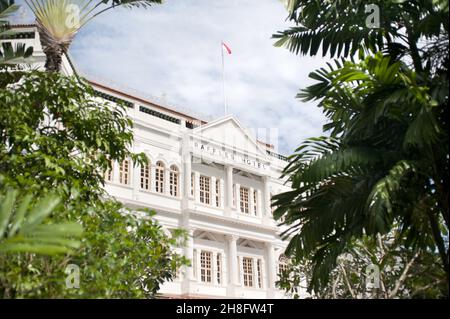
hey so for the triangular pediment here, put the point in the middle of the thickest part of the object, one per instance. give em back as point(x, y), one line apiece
point(208, 236)
point(229, 133)
point(248, 244)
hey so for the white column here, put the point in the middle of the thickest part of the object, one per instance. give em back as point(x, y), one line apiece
point(115, 172)
point(251, 204)
point(238, 197)
point(197, 259)
point(197, 186)
point(188, 271)
point(187, 176)
point(232, 265)
point(271, 269)
point(213, 191)
point(152, 177)
point(180, 184)
point(229, 190)
point(136, 184)
point(167, 181)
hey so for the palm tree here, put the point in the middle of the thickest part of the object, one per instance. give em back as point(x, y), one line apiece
point(58, 21)
point(385, 161)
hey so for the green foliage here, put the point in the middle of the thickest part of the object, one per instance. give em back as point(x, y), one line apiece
point(55, 127)
point(22, 228)
point(131, 254)
point(402, 273)
point(58, 138)
point(384, 166)
point(122, 255)
point(338, 28)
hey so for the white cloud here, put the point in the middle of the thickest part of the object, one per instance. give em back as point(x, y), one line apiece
point(174, 49)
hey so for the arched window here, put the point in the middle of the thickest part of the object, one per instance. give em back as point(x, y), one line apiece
point(283, 263)
point(145, 176)
point(124, 172)
point(174, 181)
point(159, 177)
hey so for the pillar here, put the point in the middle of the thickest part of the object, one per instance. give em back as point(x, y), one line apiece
point(271, 270)
point(229, 189)
point(197, 187)
point(233, 273)
point(238, 197)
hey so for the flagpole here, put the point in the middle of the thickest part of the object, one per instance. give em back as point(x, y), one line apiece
point(223, 82)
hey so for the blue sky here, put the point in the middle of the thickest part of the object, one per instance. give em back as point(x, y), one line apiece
point(173, 51)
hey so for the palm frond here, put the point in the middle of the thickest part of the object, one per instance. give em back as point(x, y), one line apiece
point(22, 227)
point(17, 54)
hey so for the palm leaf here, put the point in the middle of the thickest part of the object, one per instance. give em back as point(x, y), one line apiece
point(15, 55)
point(22, 227)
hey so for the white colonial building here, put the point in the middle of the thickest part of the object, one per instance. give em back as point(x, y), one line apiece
point(212, 178)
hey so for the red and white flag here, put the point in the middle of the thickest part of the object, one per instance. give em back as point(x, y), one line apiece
point(226, 47)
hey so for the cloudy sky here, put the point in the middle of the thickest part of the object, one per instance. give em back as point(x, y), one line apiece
point(174, 51)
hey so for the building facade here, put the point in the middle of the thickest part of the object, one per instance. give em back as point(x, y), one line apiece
point(211, 178)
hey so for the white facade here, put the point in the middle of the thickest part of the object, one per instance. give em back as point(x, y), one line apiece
point(212, 179)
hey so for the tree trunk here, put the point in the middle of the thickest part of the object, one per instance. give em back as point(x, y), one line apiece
point(54, 58)
point(52, 48)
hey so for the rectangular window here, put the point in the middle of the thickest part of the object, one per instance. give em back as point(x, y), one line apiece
point(145, 177)
point(124, 172)
point(255, 203)
point(218, 193)
point(205, 186)
point(219, 268)
point(247, 268)
point(159, 178)
point(244, 199)
point(173, 181)
point(259, 272)
point(205, 266)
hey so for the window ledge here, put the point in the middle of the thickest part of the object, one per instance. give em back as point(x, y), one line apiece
point(127, 186)
point(160, 194)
